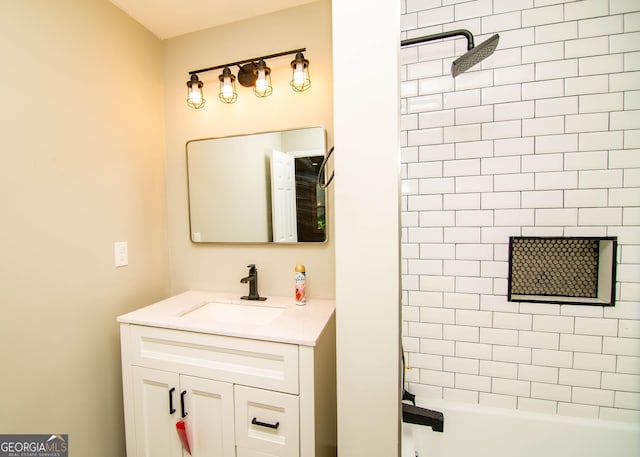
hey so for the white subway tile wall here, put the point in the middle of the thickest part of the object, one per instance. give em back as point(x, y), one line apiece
point(542, 138)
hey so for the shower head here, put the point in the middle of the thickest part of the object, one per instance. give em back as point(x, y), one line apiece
point(474, 55)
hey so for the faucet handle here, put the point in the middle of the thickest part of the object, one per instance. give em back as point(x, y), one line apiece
point(251, 266)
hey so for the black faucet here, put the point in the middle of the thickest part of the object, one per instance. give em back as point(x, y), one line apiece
point(252, 279)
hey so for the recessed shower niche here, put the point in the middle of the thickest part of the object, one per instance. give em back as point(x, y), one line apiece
point(571, 270)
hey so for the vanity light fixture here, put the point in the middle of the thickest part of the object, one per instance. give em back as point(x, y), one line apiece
point(262, 87)
point(300, 81)
point(251, 73)
point(228, 92)
point(195, 98)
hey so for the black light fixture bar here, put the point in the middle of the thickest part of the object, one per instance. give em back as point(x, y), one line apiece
point(240, 62)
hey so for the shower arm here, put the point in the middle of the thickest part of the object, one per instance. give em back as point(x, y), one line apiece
point(439, 36)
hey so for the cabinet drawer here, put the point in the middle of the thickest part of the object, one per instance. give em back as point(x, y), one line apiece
point(266, 423)
point(262, 364)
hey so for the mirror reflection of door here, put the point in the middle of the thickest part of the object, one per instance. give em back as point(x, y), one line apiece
point(283, 197)
point(310, 199)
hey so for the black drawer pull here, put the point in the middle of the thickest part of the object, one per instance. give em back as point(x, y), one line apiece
point(171, 408)
point(183, 413)
point(275, 426)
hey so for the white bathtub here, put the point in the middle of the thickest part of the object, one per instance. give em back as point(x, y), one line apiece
point(471, 430)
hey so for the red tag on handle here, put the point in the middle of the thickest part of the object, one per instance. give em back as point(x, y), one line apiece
point(182, 433)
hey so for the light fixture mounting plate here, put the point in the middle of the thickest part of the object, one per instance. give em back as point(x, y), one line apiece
point(246, 77)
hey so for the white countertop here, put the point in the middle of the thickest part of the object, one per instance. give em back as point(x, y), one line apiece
point(295, 324)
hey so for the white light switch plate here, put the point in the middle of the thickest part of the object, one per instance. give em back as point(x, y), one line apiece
point(121, 253)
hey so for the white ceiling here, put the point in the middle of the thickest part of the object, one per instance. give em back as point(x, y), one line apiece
point(170, 18)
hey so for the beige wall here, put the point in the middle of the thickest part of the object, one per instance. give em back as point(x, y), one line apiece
point(216, 266)
point(81, 166)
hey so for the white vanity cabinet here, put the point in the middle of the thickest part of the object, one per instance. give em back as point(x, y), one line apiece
point(240, 396)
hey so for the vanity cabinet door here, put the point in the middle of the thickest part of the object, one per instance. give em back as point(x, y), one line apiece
point(209, 417)
point(162, 398)
point(156, 410)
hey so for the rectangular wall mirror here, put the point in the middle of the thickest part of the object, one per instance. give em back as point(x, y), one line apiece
point(259, 188)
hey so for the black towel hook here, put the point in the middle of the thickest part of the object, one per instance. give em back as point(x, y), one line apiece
point(321, 173)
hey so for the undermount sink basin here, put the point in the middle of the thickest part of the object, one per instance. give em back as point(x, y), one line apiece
point(233, 313)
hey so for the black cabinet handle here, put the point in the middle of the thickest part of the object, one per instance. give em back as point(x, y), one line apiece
point(182, 411)
point(171, 408)
point(275, 426)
